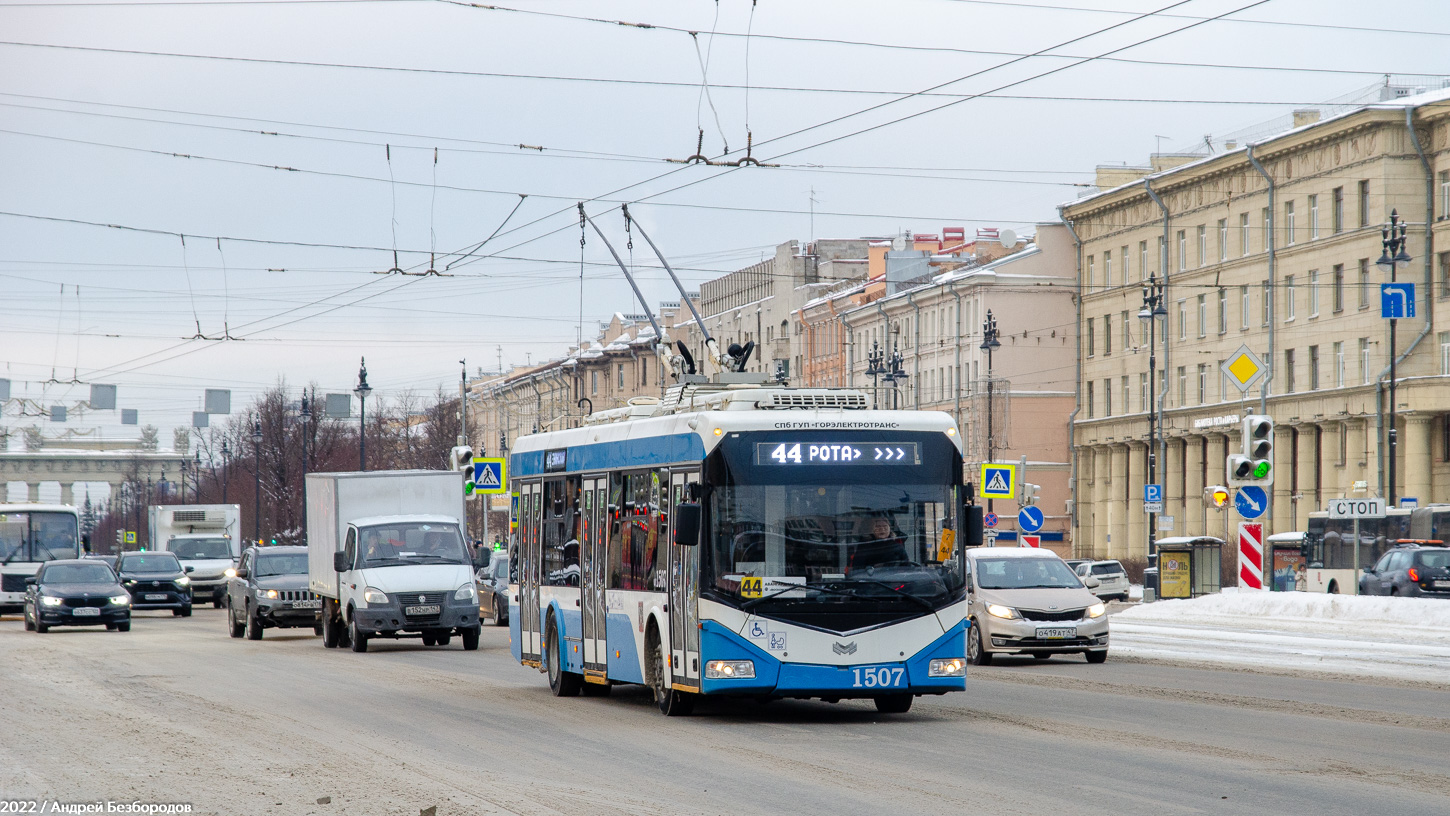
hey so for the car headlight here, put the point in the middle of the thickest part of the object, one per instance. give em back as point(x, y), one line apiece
point(47, 600)
point(949, 667)
point(183, 581)
point(466, 593)
point(375, 596)
point(729, 669)
point(1000, 611)
point(269, 594)
point(231, 572)
point(130, 582)
point(1096, 610)
point(120, 600)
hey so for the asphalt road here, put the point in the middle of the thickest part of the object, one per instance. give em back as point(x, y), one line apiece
point(175, 711)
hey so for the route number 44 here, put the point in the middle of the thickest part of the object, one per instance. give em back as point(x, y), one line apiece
point(787, 453)
point(874, 677)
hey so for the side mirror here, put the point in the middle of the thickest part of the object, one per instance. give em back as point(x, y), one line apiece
point(243, 572)
point(30, 581)
point(687, 524)
point(86, 542)
point(1091, 582)
point(339, 562)
point(189, 569)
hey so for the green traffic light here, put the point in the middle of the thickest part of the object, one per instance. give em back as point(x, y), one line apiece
point(1261, 470)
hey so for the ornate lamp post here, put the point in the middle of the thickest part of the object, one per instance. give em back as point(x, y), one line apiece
point(257, 469)
point(226, 470)
point(989, 344)
point(1392, 260)
point(1151, 313)
point(362, 390)
point(875, 360)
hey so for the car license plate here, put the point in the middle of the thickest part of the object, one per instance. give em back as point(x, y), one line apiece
point(312, 604)
point(1056, 633)
point(86, 612)
point(878, 677)
point(155, 596)
point(431, 609)
point(1440, 584)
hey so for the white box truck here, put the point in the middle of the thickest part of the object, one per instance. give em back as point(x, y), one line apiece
point(206, 538)
point(386, 552)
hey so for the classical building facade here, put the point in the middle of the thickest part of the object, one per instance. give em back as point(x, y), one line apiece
point(1271, 246)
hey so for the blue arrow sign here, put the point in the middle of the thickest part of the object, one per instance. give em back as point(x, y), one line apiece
point(1029, 519)
point(1251, 501)
point(1397, 300)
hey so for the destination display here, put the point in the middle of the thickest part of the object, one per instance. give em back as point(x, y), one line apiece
point(832, 453)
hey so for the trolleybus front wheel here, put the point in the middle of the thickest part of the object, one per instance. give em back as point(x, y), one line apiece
point(562, 683)
point(894, 703)
point(672, 703)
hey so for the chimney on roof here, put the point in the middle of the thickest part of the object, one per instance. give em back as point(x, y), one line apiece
point(1116, 175)
point(1231, 144)
point(1305, 116)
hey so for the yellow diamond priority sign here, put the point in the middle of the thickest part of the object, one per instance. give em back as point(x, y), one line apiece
point(1244, 368)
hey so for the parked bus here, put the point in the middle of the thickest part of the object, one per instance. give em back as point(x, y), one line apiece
point(1329, 551)
point(31, 534)
point(749, 541)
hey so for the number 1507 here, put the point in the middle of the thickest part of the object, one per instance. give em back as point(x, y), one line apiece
point(884, 677)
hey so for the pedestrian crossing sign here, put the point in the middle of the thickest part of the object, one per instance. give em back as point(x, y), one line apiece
point(998, 481)
point(489, 475)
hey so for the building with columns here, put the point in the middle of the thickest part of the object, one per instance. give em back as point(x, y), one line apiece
point(1270, 245)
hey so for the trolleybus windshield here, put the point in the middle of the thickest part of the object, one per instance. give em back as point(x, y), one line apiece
point(38, 535)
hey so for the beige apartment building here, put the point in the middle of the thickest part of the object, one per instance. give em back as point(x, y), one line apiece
point(1271, 245)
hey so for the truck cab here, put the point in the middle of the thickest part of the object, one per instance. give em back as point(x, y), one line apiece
point(206, 559)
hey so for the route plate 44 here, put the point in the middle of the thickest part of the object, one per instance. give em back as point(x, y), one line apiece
point(878, 677)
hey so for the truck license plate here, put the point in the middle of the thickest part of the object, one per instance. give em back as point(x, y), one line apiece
point(1056, 633)
point(312, 604)
point(86, 612)
point(156, 596)
point(431, 609)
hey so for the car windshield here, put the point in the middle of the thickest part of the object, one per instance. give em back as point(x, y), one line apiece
point(411, 543)
point(200, 548)
point(286, 564)
point(78, 574)
point(1113, 568)
point(1433, 560)
point(1025, 573)
point(150, 562)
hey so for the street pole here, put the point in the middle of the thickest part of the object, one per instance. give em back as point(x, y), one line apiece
point(226, 472)
point(257, 471)
point(1152, 310)
point(362, 390)
point(1393, 257)
point(990, 342)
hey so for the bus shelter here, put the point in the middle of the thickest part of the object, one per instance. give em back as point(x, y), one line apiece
point(1188, 566)
point(1285, 559)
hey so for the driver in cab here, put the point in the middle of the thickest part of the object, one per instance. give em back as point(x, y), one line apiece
point(880, 545)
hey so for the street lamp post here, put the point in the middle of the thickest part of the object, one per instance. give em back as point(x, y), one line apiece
point(226, 470)
point(1392, 260)
point(257, 469)
point(362, 391)
point(989, 344)
point(1151, 313)
point(306, 426)
point(875, 367)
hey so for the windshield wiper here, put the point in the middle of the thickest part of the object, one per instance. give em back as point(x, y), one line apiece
point(818, 588)
point(925, 603)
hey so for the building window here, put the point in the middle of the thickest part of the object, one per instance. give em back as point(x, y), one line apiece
point(1223, 311)
point(1338, 288)
point(1244, 235)
point(1108, 268)
point(621, 376)
point(1244, 306)
point(1288, 223)
point(1364, 203)
point(1313, 368)
point(1444, 338)
point(1127, 273)
point(1202, 315)
point(1268, 301)
point(1444, 195)
point(1090, 344)
point(1182, 250)
point(1107, 398)
point(1313, 217)
point(594, 382)
point(1288, 298)
point(1163, 254)
point(1107, 335)
point(1127, 396)
point(1339, 364)
point(1289, 371)
point(1268, 229)
point(1091, 273)
point(1343, 443)
point(1336, 214)
point(1090, 399)
point(1313, 293)
point(1364, 360)
point(1143, 260)
point(1127, 333)
point(1182, 320)
point(1182, 386)
point(1445, 274)
point(1143, 392)
point(1202, 245)
point(1223, 239)
point(1202, 383)
point(1364, 283)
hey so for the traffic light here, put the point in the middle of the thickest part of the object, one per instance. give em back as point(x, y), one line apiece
point(1255, 464)
point(462, 461)
point(1217, 496)
point(1029, 493)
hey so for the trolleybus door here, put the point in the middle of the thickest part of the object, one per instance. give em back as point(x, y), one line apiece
point(684, 597)
point(594, 566)
point(531, 548)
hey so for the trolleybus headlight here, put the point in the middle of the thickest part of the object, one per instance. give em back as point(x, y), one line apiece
point(1000, 611)
point(950, 667)
point(466, 593)
point(47, 600)
point(120, 600)
point(729, 669)
point(1096, 610)
point(375, 596)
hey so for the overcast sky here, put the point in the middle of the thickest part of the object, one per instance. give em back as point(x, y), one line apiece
point(174, 118)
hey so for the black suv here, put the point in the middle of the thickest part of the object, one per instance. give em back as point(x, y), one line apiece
point(155, 581)
point(269, 590)
point(1416, 569)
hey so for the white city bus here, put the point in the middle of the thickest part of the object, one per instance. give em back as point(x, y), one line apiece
point(743, 540)
point(31, 534)
point(1329, 548)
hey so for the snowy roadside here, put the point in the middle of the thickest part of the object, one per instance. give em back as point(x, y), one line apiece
point(1401, 638)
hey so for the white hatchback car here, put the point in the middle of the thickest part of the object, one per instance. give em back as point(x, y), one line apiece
point(1027, 601)
point(1112, 579)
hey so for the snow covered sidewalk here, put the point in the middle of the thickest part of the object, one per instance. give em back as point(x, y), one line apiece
point(1403, 638)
